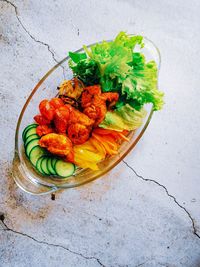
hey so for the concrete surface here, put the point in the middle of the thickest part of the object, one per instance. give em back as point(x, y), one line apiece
point(146, 212)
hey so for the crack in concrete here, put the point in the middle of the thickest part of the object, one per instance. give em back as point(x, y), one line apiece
point(49, 244)
point(169, 195)
point(141, 263)
point(32, 37)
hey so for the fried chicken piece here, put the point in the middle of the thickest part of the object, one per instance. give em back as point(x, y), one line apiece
point(78, 133)
point(57, 144)
point(78, 117)
point(44, 129)
point(110, 98)
point(88, 95)
point(61, 119)
point(70, 120)
point(96, 112)
point(94, 102)
point(80, 126)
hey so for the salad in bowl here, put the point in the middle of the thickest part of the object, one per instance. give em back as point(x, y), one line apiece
point(74, 130)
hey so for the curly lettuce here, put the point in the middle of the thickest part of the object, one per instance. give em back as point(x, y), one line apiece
point(86, 70)
point(117, 67)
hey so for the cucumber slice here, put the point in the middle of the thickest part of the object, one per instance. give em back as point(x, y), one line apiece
point(50, 166)
point(53, 162)
point(34, 125)
point(64, 169)
point(31, 137)
point(38, 165)
point(35, 154)
point(30, 132)
point(30, 145)
point(44, 166)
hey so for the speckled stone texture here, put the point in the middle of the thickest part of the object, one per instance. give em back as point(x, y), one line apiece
point(146, 212)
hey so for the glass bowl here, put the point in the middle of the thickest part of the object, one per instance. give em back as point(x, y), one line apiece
point(24, 174)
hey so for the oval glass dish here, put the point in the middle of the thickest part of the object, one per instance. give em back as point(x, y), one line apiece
point(25, 175)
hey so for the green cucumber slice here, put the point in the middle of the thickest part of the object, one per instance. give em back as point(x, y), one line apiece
point(53, 162)
point(44, 166)
point(30, 145)
point(35, 153)
point(34, 125)
point(30, 132)
point(64, 169)
point(50, 166)
point(31, 137)
point(38, 165)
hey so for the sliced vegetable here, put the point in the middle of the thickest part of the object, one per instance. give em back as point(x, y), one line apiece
point(87, 155)
point(53, 162)
point(50, 166)
point(35, 153)
point(38, 165)
point(44, 165)
point(29, 132)
point(115, 134)
point(30, 145)
point(34, 125)
point(99, 147)
point(64, 169)
point(30, 137)
point(109, 146)
point(86, 164)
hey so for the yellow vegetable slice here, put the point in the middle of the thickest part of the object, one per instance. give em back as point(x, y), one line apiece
point(87, 155)
point(86, 146)
point(85, 164)
point(99, 147)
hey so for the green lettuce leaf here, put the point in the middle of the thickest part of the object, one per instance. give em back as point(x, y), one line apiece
point(140, 86)
point(76, 57)
point(86, 70)
point(124, 118)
